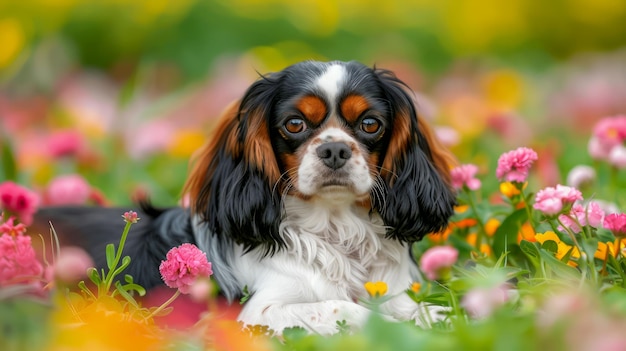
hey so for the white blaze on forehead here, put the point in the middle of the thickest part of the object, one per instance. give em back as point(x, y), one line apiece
point(330, 81)
point(334, 134)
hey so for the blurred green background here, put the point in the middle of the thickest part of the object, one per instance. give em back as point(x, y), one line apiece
point(141, 82)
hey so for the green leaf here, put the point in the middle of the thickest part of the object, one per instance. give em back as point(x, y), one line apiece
point(550, 246)
point(125, 263)
point(506, 234)
point(93, 275)
point(125, 294)
point(529, 249)
point(8, 165)
point(589, 246)
point(245, 295)
point(561, 269)
point(85, 289)
point(110, 255)
point(135, 287)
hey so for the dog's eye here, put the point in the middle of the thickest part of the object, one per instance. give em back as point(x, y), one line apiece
point(370, 125)
point(295, 125)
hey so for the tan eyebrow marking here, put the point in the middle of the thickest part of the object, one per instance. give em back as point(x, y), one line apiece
point(353, 106)
point(313, 108)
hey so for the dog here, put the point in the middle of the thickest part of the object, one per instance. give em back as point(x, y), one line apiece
point(317, 181)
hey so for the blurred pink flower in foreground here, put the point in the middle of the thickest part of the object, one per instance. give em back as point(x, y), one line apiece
point(607, 140)
point(482, 302)
point(18, 261)
point(464, 175)
point(591, 215)
point(513, 166)
point(70, 189)
point(183, 266)
point(70, 266)
point(436, 261)
point(18, 201)
point(556, 200)
point(580, 176)
point(616, 223)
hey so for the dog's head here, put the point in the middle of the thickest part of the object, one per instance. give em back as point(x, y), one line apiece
point(340, 133)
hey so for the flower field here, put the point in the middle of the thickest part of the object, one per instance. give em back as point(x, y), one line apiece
point(102, 104)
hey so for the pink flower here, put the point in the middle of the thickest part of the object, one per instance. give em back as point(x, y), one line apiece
point(608, 133)
point(580, 176)
point(183, 265)
point(464, 175)
point(18, 201)
point(18, 262)
point(436, 261)
point(64, 143)
point(513, 166)
point(553, 201)
point(70, 266)
point(70, 189)
point(482, 302)
point(592, 215)
point(12, 229)
point(616, 223)
point(130, 217)
point(617, 156)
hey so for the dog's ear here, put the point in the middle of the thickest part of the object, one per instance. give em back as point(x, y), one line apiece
point(232, 179)
point(418, 198)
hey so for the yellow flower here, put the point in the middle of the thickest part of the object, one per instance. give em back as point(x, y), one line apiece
point(562, 248)
point(508, 189)
point(376, 289)
point(491, 226)
point(185, 143)
point(416, 287)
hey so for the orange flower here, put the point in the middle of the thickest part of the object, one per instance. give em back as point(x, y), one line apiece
point(416, 287)
point(491, 226)
point(526, 232)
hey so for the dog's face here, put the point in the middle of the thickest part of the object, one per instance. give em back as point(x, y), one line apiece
point(332, 134)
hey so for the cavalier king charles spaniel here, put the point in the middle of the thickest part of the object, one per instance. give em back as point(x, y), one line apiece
point(317, 181)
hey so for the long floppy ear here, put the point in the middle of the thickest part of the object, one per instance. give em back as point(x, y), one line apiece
point(231, 182)
point(418, 197)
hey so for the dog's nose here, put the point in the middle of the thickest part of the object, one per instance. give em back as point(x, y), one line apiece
point(334, 154)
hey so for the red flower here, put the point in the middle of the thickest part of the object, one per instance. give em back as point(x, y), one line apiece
point(19, 201)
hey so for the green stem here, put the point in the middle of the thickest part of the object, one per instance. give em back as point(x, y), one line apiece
point(483, 231)
point(108, 280)
point(529, 212)
point(165, 304)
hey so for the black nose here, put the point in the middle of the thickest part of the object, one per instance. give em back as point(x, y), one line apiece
point(334, 154)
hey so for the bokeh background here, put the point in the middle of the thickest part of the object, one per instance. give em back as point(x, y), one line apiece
point(122, 92)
